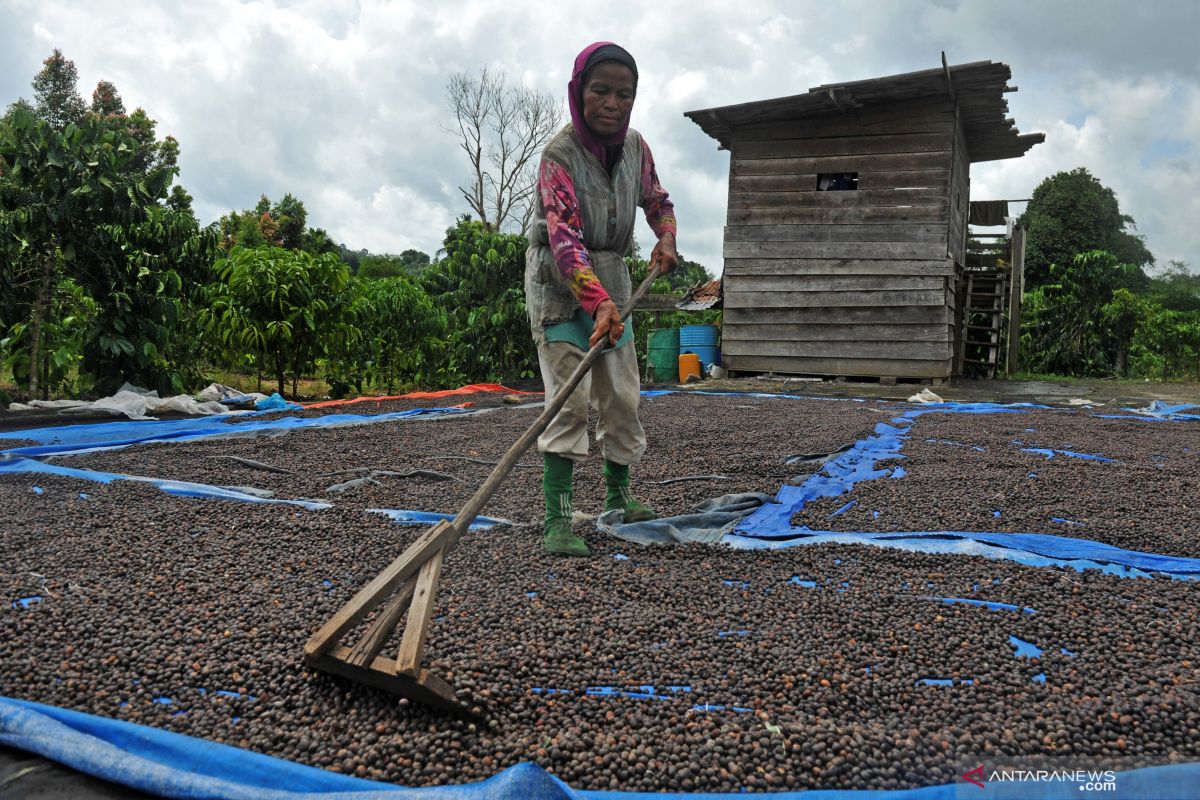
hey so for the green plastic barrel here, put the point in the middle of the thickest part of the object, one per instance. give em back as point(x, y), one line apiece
point(662, 356)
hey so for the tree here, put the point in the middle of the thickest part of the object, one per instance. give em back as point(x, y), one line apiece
point(290, 216)
point(1072, 213)
point(1073, 324)
point(481, 284)
point(58, 187)
point(286, 307)
point(1175, 288)
point(410, 262)
point(414, 260)
point(502, 129)
point(106, 101)
point(687, 275)
point(90, 234)
point(317, 242)
point(279, 224)
point(403, 338)
point(54, 90)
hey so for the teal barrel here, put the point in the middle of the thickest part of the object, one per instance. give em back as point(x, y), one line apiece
point(662, 355)
point(701, 340)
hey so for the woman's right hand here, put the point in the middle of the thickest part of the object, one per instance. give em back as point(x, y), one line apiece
point(608, 323)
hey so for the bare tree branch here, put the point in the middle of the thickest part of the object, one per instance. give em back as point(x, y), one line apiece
point(502, 129)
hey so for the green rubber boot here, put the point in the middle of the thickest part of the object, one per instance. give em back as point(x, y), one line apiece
point(616, 478)
point(556, 484)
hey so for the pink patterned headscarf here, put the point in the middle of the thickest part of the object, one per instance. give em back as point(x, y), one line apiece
point(599, 146)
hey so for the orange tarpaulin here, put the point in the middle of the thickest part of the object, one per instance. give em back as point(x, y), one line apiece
point(474, 388)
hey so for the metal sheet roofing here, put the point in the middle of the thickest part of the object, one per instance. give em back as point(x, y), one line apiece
point(978, 88)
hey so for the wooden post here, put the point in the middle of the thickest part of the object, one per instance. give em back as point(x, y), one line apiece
point(1016, 291)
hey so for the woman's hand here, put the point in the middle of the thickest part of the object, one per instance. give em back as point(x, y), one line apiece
point(664, 259)
point(608, 323)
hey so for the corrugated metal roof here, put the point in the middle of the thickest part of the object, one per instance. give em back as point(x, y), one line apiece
point(699, 298)
point(978, 88)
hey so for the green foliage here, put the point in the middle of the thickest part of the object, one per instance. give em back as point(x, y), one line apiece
point(1175, 288)
point(381, 266)
point(410, 262)
point(152, 278)
point(1078, 321)
point(72, 314)
point(1072, 213)
point(687, 275)
point(1167, 345)
point(317, 242)
point(284, 307)
point(402, 341)
point(280, 224)
point(480, 284)
point(670, 284)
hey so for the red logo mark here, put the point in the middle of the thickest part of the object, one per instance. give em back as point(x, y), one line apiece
point(978, 773)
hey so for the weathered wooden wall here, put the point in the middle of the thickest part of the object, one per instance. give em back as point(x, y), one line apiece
point(846, 282)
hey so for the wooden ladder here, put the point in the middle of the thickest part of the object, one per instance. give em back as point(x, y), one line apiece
point(408, 586)
point(983, 320)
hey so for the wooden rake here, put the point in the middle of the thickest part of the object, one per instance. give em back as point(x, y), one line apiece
point(408, 586)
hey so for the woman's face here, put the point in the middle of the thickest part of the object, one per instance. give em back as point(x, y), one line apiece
point(608, 97)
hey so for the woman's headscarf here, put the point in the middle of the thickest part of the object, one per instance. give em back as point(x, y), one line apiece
point(605, 148)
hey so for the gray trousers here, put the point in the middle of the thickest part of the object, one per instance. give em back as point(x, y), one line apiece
point(613, 387)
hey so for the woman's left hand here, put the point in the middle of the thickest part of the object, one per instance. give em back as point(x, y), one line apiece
point(663, 258)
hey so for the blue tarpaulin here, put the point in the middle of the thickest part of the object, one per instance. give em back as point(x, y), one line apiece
point(177, 766)
point(64, 439)
point(15, 466)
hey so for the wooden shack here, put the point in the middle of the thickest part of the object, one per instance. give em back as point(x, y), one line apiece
point(847, 222)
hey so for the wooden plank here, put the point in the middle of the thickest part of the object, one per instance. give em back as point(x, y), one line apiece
point(834, 266)
point(837, 215)
point(872, 315)
point(904, 179)
point(807, 181)
point(377, 633)
point(412, 645)
point(880, 232)
point(849, 332)
point(904, 116)
point(844, 145)
point(843, 163)
point(843, 126)
point(909, 251)
point(426, 688)
point(929, 196)
point(841, 283)
point(659, 302)
point(775, 299)
point(869, 367)
point(380, 587)
point(833, 349)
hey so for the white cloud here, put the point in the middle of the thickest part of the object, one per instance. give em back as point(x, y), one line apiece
point(342, 105)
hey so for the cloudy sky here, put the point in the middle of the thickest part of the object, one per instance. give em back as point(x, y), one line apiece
point(343, 104)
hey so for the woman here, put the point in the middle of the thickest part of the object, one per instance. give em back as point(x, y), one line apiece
point(592, 175)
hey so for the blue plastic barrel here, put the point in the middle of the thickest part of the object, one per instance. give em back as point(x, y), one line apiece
point(701, 340)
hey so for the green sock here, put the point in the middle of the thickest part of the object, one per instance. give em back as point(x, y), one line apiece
point(557, 473)
point(616, 479)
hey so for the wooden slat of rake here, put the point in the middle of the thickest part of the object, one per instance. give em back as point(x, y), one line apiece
point(382, 585)
point(376, 635)
point(412, 646)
